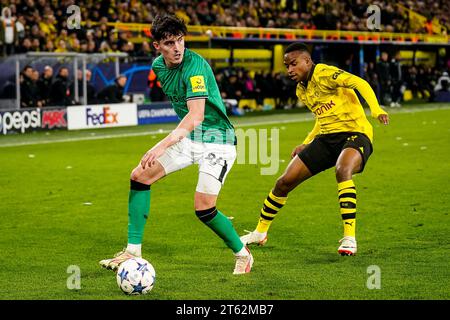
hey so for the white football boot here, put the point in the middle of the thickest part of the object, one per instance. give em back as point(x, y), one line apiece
point(347, 247)
point(254, 237)
point(244, 263)
point(114, 263)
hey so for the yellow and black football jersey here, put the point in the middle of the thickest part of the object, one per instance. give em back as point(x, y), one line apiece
point(329, 94)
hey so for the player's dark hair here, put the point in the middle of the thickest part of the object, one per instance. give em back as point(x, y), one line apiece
point(165, 26)
point(296, 46)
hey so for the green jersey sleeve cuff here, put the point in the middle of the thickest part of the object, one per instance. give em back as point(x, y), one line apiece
point(196, 97)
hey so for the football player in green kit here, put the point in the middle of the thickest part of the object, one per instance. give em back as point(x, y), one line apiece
point(205, 136)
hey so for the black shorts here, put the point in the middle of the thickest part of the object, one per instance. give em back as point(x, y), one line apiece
point(323, 152)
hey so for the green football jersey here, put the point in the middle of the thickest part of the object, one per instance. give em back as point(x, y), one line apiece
point(193, 78)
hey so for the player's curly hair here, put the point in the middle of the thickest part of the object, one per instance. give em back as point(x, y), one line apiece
point(164, 26)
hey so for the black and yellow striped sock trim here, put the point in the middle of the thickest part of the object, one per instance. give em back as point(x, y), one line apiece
point(347, 203)
point(272, 204)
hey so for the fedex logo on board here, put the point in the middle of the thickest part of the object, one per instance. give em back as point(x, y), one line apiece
point(105, 117)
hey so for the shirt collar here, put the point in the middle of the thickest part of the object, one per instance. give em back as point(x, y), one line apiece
point(305, 84)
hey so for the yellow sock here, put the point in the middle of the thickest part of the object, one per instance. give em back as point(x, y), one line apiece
point(271, 206)
point(347, 202)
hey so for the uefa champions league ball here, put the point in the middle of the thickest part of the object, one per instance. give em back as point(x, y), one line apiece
point(136, 276)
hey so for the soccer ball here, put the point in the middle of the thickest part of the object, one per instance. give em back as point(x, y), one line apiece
point(136, 276)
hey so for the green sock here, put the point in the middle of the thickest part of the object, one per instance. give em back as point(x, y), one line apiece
point(222, 226)
point(138, 211)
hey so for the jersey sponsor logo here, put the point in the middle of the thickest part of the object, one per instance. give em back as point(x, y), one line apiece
point(336, 74)
point(324, 107)
point(198, 84)
point(106, 117)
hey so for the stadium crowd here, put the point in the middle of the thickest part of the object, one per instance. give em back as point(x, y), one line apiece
point(238, 83)
point(50, 89)
point(387, 77)
point(41, 25)
point(390, 79)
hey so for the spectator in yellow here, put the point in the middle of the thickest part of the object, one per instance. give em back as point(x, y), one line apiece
point(62, 46)
point(183, 16)
point(48, 25)
point(73, 42)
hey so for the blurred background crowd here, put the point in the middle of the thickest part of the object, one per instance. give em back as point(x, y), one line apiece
point(41, 26)
point(388, 79)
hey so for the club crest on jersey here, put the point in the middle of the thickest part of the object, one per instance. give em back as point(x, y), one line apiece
point(324, 107)
point(198, 84)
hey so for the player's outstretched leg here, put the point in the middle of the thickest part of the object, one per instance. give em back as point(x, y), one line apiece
point(347, 203)
point(295, 173)
point(272, 204)
point(138, 212)
point(222, 226)
point(348, 162)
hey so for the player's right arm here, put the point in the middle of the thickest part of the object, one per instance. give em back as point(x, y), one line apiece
point(196, 94)
point(341, 78)
point(194, 118)
point(309, 138)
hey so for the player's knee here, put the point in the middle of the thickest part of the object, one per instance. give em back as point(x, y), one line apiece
point(282, 187)
point(139, 175)
point(343, 172)
point(135, 174)
point(204, 202)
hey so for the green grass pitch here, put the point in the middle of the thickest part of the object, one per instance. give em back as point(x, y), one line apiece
point(403, 223)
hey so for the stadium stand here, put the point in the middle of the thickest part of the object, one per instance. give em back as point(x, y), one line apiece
point(41, 26)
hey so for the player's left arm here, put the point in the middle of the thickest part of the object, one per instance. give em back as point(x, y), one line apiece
point(193, 118)
point(348, 80)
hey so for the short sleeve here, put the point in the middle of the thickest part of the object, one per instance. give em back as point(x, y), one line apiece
point(196, 80)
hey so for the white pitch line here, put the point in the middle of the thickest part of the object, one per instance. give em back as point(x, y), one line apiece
point(137, 134)
point(306, 117)
point(109, 136)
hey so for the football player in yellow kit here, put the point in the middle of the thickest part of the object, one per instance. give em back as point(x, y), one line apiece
point(342, 138)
